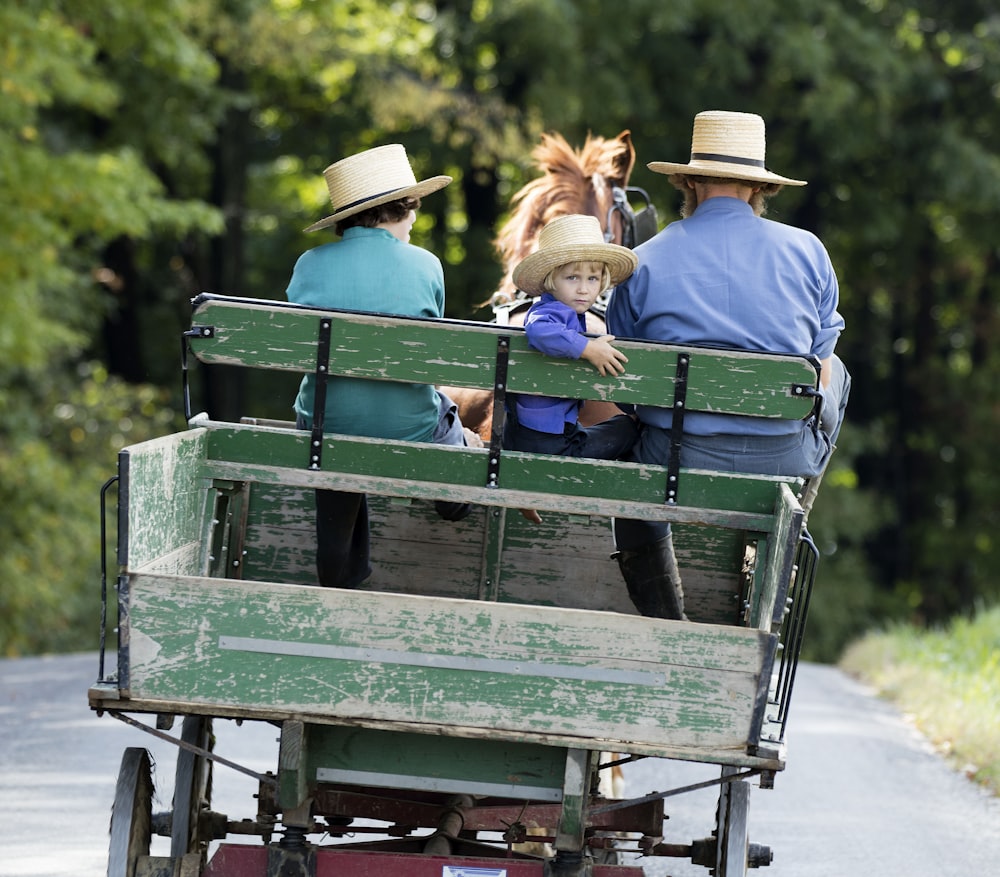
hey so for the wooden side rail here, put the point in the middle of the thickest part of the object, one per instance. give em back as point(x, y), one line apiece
point(664, 688)
point(414, 470)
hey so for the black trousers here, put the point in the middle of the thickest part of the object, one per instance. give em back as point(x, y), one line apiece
point(343, 551)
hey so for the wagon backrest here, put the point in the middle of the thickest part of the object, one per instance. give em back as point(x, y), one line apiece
point(566, 561)
point(272, 335)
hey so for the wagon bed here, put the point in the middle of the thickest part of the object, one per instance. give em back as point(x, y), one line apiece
point(490, 658)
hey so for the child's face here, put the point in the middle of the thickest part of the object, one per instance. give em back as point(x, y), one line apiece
point(578, 284)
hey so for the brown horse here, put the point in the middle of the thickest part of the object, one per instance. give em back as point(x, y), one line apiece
point(572, 181)
point(590, 180)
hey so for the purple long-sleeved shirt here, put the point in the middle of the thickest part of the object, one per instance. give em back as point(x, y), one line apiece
point(556, 330)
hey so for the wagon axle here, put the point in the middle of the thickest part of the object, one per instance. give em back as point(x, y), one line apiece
point(704, 852)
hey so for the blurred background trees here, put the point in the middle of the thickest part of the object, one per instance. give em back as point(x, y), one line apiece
point(152, 151)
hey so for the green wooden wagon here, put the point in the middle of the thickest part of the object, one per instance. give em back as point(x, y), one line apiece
point(467, 698)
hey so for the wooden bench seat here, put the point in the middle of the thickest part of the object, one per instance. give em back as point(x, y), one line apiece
point(584, 493)
point(273, 335)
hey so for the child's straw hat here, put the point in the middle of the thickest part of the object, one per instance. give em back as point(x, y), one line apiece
point(572, 238)
point(725, 144)
point(367, 179)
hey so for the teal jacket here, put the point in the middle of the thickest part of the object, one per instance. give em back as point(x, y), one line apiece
point(370, 270)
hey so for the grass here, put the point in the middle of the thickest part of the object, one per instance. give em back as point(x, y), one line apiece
point(948, 681)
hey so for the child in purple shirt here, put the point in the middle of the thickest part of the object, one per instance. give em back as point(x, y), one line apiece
point(571, 268)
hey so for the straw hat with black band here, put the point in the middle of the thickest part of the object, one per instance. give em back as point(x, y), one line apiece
point(727, 145)
point(572, 238)
point(370, 178)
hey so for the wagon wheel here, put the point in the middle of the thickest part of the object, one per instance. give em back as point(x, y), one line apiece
point(733, 830)
point(192, 789)
point(131, 813)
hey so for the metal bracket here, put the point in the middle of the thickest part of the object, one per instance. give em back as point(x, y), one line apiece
point(805, 390)
point(193, 332)
point(677, 427)
point(197, 750)
point(808, 390)
point(319, 396)
point(499, 413)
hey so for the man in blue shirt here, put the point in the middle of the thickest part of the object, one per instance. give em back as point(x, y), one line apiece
point(725, 276)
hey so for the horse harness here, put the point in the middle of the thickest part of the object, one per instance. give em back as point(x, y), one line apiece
point(637, 226)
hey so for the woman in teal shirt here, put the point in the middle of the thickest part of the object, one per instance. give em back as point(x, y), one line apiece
point(372, 268)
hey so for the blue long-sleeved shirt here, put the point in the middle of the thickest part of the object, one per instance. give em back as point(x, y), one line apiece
point(725, 277)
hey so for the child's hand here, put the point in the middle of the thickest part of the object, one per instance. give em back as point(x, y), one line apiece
point(600, 353)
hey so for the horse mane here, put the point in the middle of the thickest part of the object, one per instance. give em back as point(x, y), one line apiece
point(572, 181)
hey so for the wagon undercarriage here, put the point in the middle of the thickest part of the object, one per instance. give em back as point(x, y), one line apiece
point(380, 830)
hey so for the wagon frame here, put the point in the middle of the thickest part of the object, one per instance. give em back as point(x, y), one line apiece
point(470, 687)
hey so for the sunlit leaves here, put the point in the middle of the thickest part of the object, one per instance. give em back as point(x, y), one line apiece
point(45, 60)
point(57, 447)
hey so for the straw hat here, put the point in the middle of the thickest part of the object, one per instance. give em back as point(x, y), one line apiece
point(367, 179)
point(572, 238)
point(729, 145)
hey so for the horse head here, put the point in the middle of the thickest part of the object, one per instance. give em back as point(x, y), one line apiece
point(573, 181)
point(591, 180)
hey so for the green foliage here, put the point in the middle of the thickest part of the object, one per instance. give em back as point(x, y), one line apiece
point(62, 432)
point(845, 601)
point(948, 680)
point(64, 199)
point(66, 196)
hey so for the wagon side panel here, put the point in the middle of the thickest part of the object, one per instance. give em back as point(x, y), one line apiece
point(438, 665)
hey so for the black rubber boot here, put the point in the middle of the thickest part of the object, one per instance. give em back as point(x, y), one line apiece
point(452, 511)
point(653, 579)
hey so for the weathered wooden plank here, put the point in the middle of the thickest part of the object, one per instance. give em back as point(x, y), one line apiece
point(162, 496)
point(415, 552)
point(413, 549)
point(710, 559)
point(281, 535)
point(396, 760)
point(268, 334)
point(572, 485)
point(441, 664)
point(564, 561)
point(782, 543)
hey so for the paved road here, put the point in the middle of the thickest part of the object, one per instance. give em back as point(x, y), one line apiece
point(863, 795)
